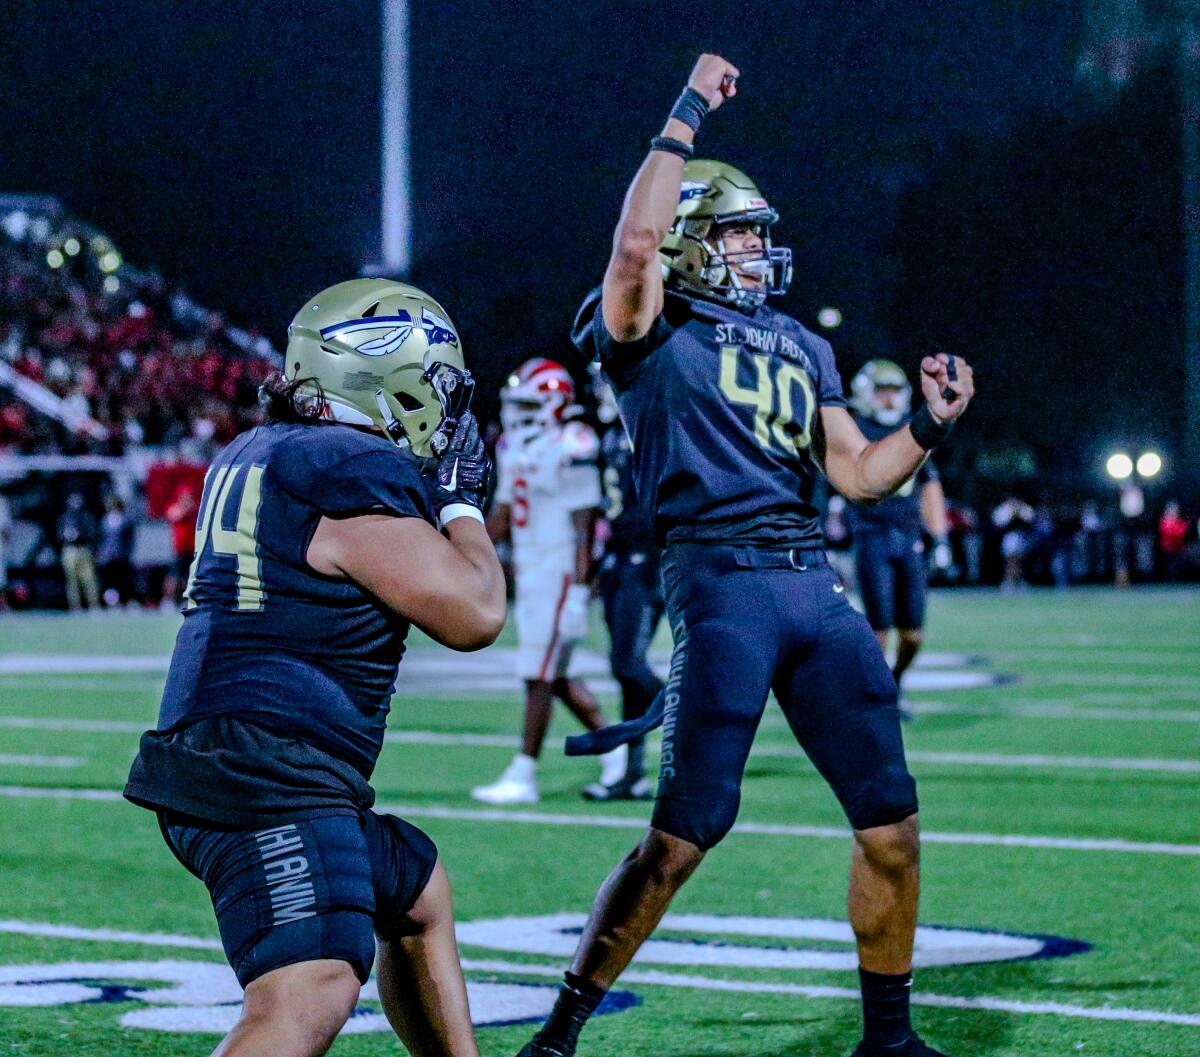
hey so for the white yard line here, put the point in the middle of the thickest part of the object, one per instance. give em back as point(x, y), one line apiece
point(16, 760)
point(506, 741)
point(654, 977)
point(765, 829)
point(37, 663)
point(86, 726)
point(967, 759)
point(918, 998)
point(40, 793)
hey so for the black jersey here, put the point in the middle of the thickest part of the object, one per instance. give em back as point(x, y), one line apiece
point(630, 522)
point(720, 406)
point(281, 678)
point(901, 511)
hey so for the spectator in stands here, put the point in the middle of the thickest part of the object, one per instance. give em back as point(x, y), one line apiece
point(115, 555)
point(182, 516)
point(1172, 535)
point(77, 540)
point(1014, 519)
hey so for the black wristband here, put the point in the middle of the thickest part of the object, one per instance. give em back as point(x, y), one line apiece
point(691, 108)
point(673, 146)
point(927, 431)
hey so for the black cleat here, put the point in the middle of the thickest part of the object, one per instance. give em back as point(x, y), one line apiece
point(535, 1048)
point(627, 788)
point(915, 1047)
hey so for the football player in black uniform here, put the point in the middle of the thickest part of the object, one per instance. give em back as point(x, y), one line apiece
point(889, 537)
point(322, 536)
point(631, 588)
point(733, 409)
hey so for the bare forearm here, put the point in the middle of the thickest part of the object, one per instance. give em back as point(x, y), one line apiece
point(483, 582)
point(653, 196)
point(933, 509)
point(879, 468)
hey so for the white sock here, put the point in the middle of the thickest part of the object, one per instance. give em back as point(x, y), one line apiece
point(523, 768)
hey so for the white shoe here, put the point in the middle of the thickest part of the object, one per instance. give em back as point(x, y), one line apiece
point(517, 785)
point(613, 765)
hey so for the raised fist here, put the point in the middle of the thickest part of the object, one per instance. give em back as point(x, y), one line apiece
point(715, 79)
point(943, 377)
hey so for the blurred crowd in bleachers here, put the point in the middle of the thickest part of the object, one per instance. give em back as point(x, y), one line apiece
point(133, 362)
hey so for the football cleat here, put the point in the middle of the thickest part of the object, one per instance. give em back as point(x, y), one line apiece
point(915, 1047)
point(517, 785)
point(536, 1048)
point(625, 788)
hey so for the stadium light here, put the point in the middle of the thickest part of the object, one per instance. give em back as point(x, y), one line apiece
point(1149, 464)
point(110, 262)
point(829, 318)
point(72, 247)
point(55, 258)
point(1119, 466)
point(111, 284)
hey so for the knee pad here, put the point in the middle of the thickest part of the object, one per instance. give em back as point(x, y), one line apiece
point(890, 797)
point(702, 824)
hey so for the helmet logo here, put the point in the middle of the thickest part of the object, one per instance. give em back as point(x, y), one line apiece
point(398, 328)
point(438, 330)
point(690, 189)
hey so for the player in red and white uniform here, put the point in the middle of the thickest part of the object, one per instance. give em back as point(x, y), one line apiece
point(547, 501)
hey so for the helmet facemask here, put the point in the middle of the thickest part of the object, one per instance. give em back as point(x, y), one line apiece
point(404, 417)
point(717, 275)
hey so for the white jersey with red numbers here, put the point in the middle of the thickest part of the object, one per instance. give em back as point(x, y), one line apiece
point(545, 478)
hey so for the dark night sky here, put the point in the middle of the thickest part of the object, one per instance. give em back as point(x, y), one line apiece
point(236, 146)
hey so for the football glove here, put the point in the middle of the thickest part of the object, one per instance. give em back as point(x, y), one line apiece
point(457, 480)
point(573, 617)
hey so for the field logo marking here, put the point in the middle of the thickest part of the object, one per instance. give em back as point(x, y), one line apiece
point(204, 997)
point(557, 935)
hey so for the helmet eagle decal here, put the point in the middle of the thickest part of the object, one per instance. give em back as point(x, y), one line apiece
point(385, 354)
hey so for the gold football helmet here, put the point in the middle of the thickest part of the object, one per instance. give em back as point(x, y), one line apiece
point(381, 353)
point(873, 376)
point(693, 255)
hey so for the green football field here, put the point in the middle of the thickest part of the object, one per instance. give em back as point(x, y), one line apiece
point(1057, 748)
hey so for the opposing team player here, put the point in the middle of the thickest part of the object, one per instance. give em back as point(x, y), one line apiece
point(321, 538)
point(732, 408)
point(547, 501)
point(631, 587)
point(889, 542)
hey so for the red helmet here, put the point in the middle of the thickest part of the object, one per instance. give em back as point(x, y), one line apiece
point(537, 395)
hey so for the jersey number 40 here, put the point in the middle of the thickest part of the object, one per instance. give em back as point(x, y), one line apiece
point(777, 419)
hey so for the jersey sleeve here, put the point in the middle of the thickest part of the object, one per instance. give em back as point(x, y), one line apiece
point(620, 359)
point(830, 392)
point(580, 474)
point(372, 482)
point(504, 476)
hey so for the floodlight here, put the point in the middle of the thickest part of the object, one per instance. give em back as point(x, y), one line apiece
point(1149, 464)
point(1119, 466)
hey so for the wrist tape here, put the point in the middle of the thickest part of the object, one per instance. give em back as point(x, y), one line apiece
point(456, 510)
point(927, 431)
point(691, 108)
